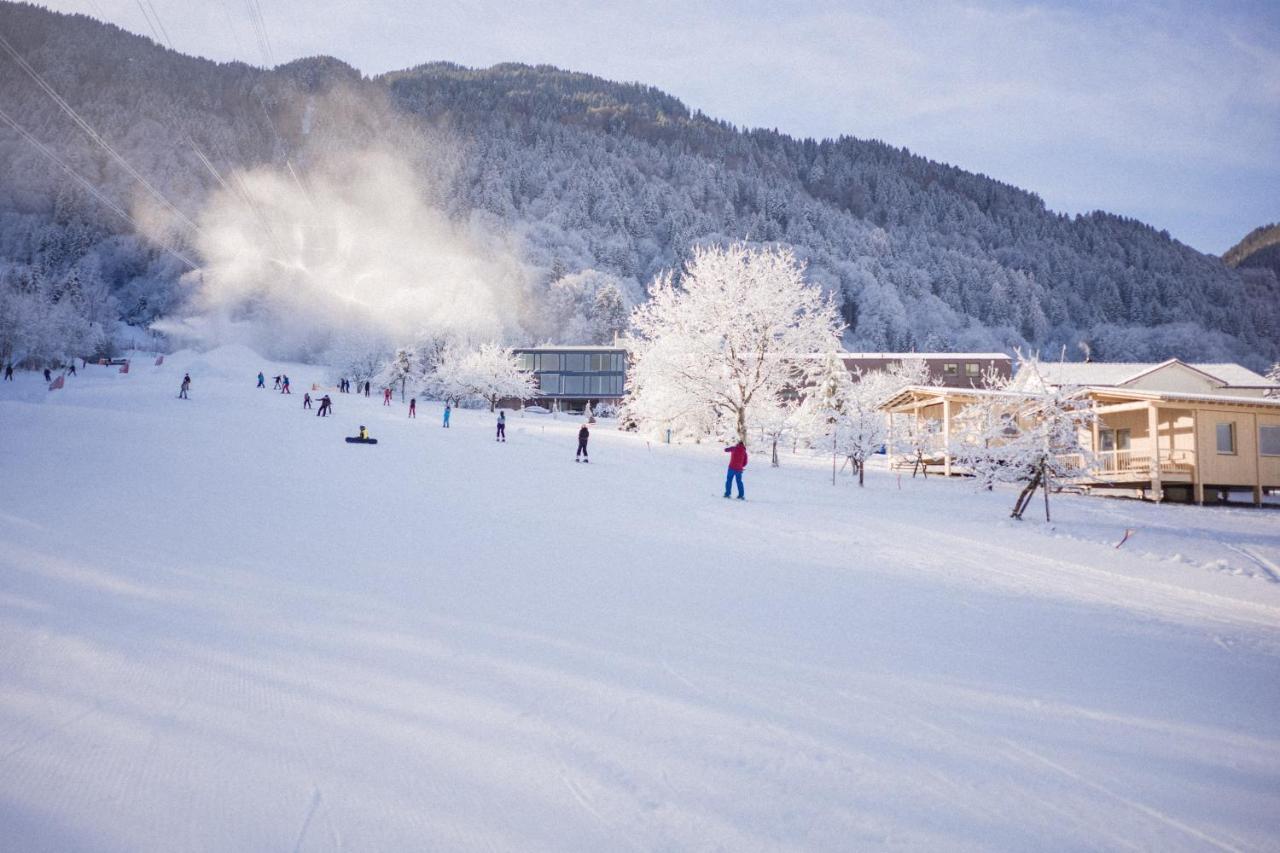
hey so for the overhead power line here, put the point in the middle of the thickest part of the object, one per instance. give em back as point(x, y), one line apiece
point(87, 184)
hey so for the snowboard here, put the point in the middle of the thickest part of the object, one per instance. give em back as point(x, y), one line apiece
point(361, 440)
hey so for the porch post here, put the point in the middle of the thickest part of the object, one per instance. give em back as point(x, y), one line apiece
point(1257, 460)
point(1097, 443)
point(1197, 481)
point(1153, 430)
point(946, 436)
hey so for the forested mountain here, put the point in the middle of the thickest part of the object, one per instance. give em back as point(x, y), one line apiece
point(1257, 253)
point(596, 184)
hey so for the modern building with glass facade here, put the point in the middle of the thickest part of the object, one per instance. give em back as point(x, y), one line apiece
point(568, 377)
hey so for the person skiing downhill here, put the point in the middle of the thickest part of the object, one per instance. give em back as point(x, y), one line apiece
point(71, 371)
point(583, 435)
point(737, 462)
point(447, 410)
point(186, 385)
point(386, 396)
point(262, 380)
point(502, 427)
point(284, 389)
point(306, 400)
point(326, 406)
point(413, 407)
point(276, 387)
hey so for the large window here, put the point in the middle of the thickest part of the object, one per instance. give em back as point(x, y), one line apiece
point(574, 361)
point(574, 385)
point(951, 369)
point(549, 361)
point(528, 361)
point(972, 368)
point(1269, 440)
point(1114, 439)
point(549, 383)
point(1227, 438)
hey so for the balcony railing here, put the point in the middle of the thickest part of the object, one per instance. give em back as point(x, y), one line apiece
point(1130, 463)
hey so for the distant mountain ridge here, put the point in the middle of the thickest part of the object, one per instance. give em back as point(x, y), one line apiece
point(609, 181)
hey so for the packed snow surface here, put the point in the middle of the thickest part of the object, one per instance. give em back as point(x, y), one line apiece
point(223, 628)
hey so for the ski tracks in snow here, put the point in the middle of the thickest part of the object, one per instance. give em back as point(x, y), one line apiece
point(1270, 569)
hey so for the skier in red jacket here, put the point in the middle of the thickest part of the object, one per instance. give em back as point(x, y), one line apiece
point(737, 461)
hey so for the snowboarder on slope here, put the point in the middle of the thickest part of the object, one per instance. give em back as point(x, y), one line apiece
point(413, 407)
point(326, 406)
point(447, 410)
point(262, 380)
point(306, 400)
point(186, 385)
point(737, 462)
point(502, 427)
point(583, 435)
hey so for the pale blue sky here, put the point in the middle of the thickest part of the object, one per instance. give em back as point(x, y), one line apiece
point(1167, 112)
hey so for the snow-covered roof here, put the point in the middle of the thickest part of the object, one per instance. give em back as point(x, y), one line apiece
point(901, 356)
point(959, 356)
point(570, 348)
point(1120, 372)
point(1185, 396)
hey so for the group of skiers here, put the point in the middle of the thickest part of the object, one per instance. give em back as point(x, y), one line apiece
point(737, 452)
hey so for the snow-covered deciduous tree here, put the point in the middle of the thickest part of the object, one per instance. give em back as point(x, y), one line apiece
point(447, 379)
point(1274, 375)
point(402, 367)
point(1029, 437)
point(727, 337)
point(981, 433)
point(494, 373)
point(777, 421)
point(821, 414)
point(487, 374)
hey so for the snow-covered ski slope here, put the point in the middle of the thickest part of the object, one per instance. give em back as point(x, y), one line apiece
point(222, 628)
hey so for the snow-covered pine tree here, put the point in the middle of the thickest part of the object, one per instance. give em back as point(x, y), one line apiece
point(729, 335)
point(608, 314)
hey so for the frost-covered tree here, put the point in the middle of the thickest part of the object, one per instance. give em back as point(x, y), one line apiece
point(608, 314)
point(777, 421)
point(402, 367)
point(820, 417)
point(728, 336)
point(1274, 375)
point(447, 379)
point(1034, 439)
point(488, 374)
